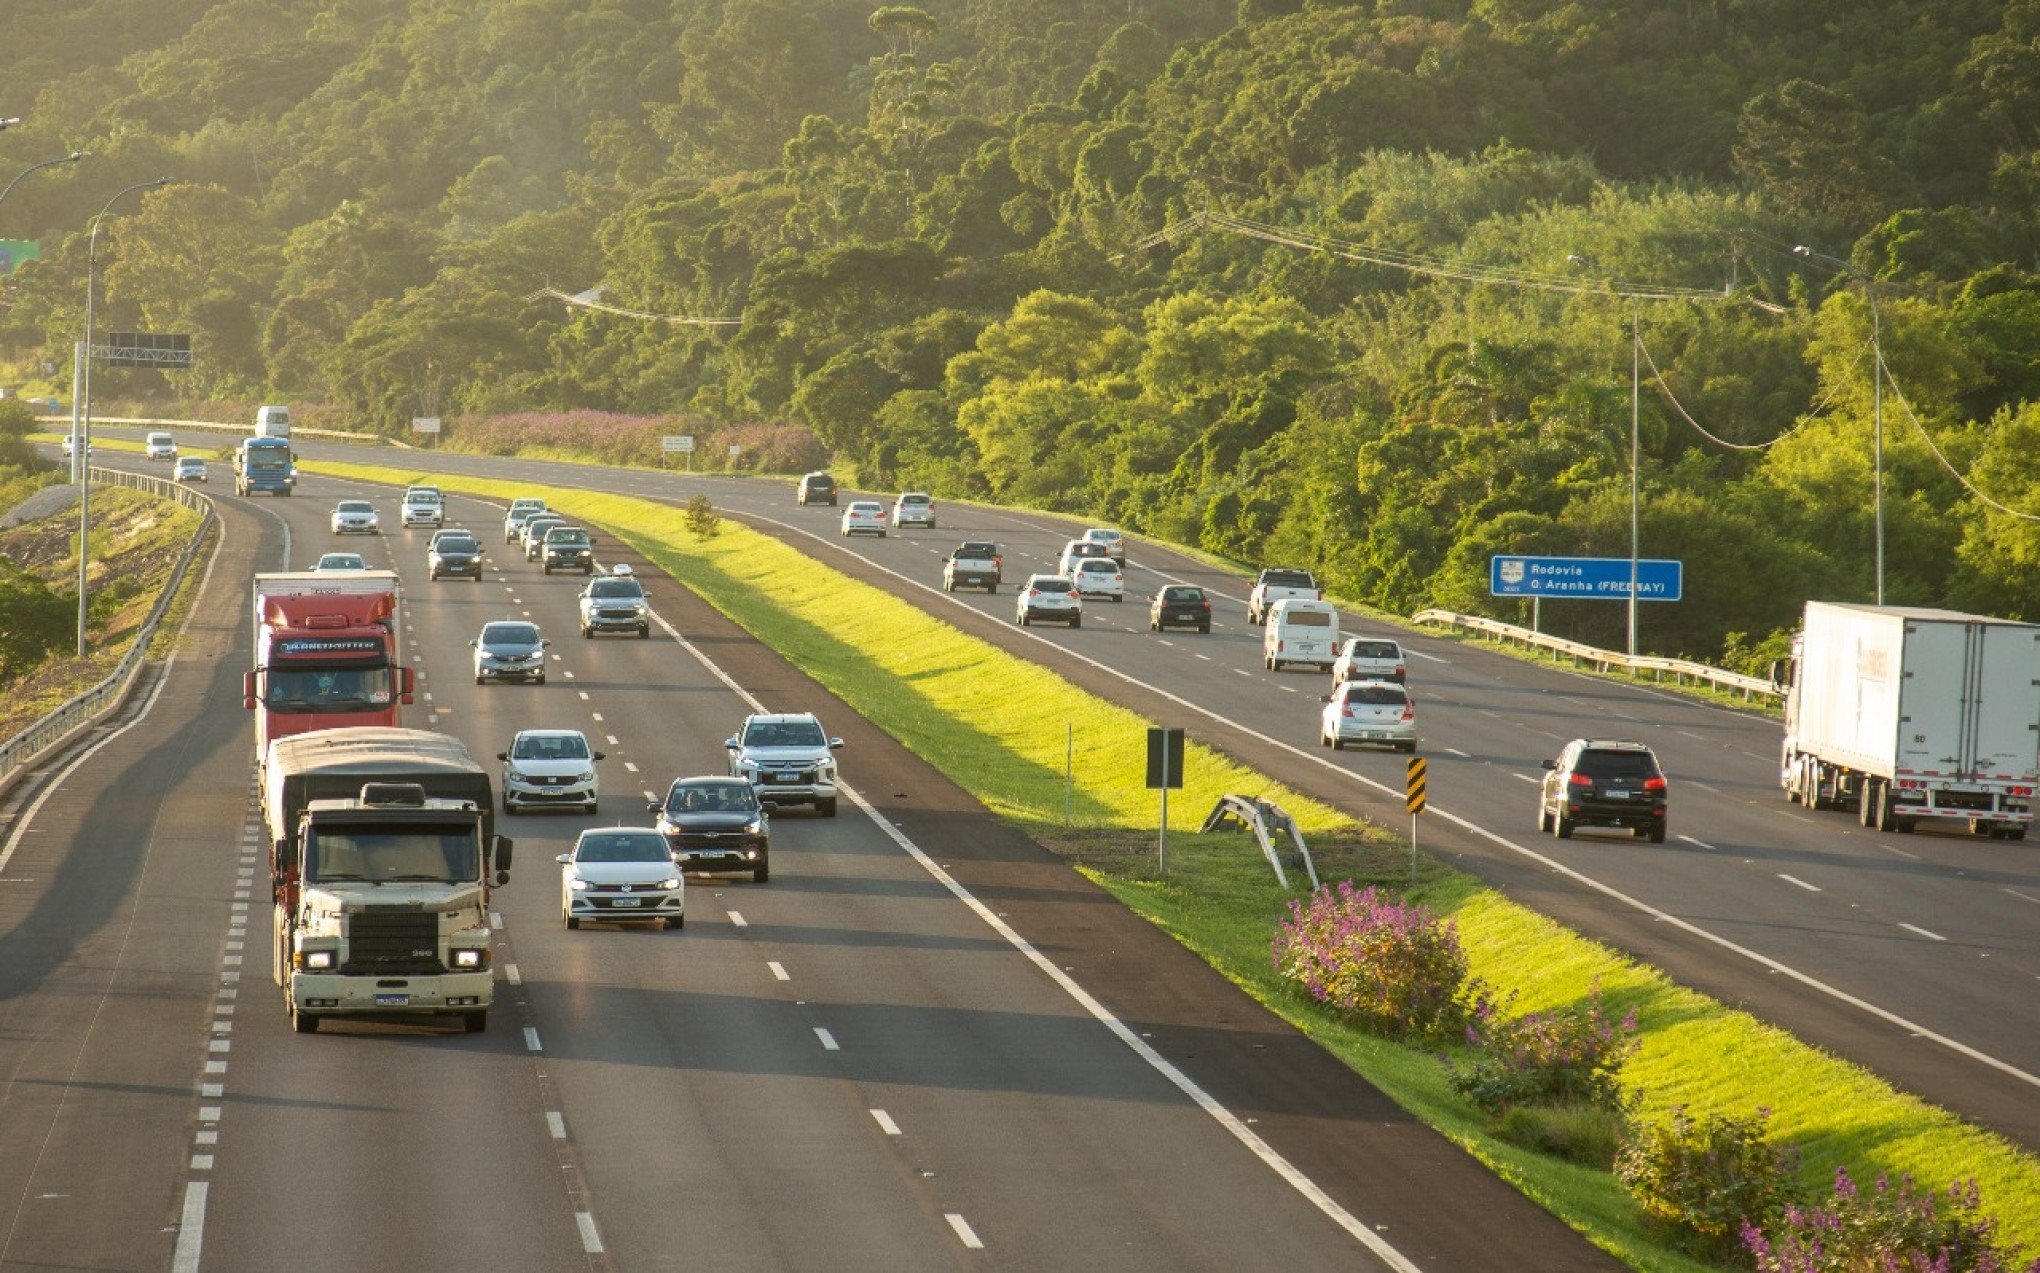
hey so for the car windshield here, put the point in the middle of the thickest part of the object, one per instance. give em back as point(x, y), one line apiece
point(719, 797)
point(385, 854)
point(614, 589)
point(784, 733)
point(562, 535)
point(1307, 618)
point(325, 689)
point(539, 526)
point(1373, 650)
point(527, 506)
point(1102, 536)
point(915, 499)
point(1051, 585)
point(819, 479)
point(622, 846)
point(1377, 695)
point(863, 507)
point(356, 506)
point(549, 747)
point(340, 561)
point(1098, 567)
point(1182, 594)
point(1288, 578)
point(458, 544)
point(510, 634)
point(978, 550)
point(1616, 764)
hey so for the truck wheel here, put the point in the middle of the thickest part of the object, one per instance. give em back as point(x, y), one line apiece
point(475, 1022)
point(303, 1022)
point(827, 808)
point(1904, 826)
point(279, 947)
point(1881, 817)
point(991, 589)
point(675, 921)
point(1866, 803)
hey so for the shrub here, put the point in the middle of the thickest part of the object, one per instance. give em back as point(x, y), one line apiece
point(703, 522)
point(38, 620)
point(1585, 1134)
point(1390, 965)
point(1887, 1230)
point(1709, 1179)
point(1553, 1058)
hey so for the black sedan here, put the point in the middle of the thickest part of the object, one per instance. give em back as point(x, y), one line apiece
point(715, 823)
point(1180, 606)
point(454, 553)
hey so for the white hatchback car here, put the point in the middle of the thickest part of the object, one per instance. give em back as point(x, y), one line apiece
point(1080, 550)
point(1369, 712)
point(356, 517)
point(621, 874)
point(914, 508)
point(1051, 597)
point(1100, 577)
point(1111, 540)
point(549, 767)
point(331, 562)
point(1371, 659)
point(864, 517)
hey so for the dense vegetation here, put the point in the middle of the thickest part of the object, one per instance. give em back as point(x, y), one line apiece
point(929, 220)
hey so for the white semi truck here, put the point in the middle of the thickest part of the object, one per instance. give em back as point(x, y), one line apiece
point(1905, 714)
point(382, 855)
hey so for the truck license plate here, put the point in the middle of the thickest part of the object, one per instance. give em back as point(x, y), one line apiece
point(624, 901)
point(392, 1001)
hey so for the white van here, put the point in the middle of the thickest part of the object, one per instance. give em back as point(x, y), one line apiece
point(1300, 631)
point(160, 446)
point(272, 422)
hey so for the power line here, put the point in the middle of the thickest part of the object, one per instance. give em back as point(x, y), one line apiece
point(1665, 389)
point(1921, 429)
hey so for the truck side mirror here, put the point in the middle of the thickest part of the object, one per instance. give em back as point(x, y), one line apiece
point(499, 852)
point(409, 686)
point(1550, 764)
point(248, 690)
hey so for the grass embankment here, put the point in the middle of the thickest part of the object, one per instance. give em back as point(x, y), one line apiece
point(996, 724)
point(136, 540)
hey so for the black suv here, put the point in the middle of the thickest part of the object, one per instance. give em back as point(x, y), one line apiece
point(817, 488)
point(1603, 783)
point(1180, 606)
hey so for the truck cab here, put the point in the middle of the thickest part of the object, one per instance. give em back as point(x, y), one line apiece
point(326, 654)
point(264, 465)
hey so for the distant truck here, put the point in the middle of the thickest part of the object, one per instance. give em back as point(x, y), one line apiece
point(974, 564)
point(326, 654)
point(382, 852)
point(1279, 584)
point(264, 464)
point(272, 422)
point(1906, 714)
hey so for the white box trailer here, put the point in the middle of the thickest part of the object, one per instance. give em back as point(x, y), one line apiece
point(1903, 714)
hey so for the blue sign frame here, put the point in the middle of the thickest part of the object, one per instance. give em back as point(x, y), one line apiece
point(1585, 578)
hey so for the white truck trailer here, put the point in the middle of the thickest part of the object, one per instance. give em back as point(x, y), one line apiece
point(1904, 714)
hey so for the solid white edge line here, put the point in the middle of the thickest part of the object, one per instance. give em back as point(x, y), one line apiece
point(190, 1229)
point(964, 1233)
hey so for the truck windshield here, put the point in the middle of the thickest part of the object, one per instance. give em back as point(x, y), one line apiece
point(381, 853)
point(267, 460)
point(326, 689)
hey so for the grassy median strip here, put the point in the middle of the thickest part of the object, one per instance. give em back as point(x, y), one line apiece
point(997, 724)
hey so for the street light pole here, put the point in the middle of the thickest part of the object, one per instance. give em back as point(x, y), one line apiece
point(71, 158)
point(1876, 392)
point(1635, 447)
point(81, 405)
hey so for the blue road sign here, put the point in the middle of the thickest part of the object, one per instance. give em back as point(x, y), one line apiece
point(1587, 578)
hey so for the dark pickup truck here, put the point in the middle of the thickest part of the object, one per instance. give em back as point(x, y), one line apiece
point(975, 564)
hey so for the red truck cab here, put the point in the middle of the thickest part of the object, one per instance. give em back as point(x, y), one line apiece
point(326, 654)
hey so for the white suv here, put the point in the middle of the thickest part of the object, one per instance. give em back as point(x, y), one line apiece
point(1052, 597)
point(1100, 577)
point(423, 506)
point(1369, 712)
point(549, 767)
point(788, 758)
point(914, 508)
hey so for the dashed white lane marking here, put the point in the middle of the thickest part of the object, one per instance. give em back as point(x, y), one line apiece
point(513, 976)
point(1205, 657)
point(568, 675)
point(778, 970)
point(829, 1043)
point(964, 1233)
point(1527, 778)
point(633, 769)
point(591, 1241)
point(885, 1122)
point(1811, 888)
point(190, 1230)
point(208, 1113)
point(1165, 641)
point(2025, 897)
point(597, 716)
point(531, 1043)
point(1288, 689)
point(583, 694)
point(1462, 755)
point(1915, 928)
point(1910, 857)
point(556, 1125)
point(496, 920)
point(610, 739)
point(737, 918)
point(1698, 844)
point(1687, 733)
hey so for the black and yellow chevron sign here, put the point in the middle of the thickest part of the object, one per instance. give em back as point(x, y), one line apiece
point(1413, 791)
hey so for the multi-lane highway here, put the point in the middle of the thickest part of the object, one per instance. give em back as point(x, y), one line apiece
point(1918, 955)
point(925, 1044)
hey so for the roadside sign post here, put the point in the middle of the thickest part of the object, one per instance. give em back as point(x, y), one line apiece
point(1164, 770)
point(681, 443)
point(1414, 785)
point(427, 425)
point(735, 451)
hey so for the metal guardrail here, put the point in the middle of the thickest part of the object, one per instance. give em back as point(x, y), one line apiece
point(1264, 818)
point(23, 750)
point(366, 439)
point(1680, 671)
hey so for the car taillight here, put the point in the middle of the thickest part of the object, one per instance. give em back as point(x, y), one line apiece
point(1580, 780)
point(1409, 711)
point(1653, 784)
point(1401, 671)
point(1204, 606)
point(1346, 710)
point(1278, 647)
point(998, 560)
point(1032, 593)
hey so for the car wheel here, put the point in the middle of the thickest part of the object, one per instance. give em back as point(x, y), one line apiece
point(761, 873)
point(1562, 826)
point(1022, 620)
point(1657, 834)
point(481, 680)
point(992, 589)
point(675, 921)
point(1076, 620)
point(572, 922)
point(1204, 628)
point(1543, 820)
point(827, 808)
point(587, 634)
point(539, 679)
point(1268, 661)
point(544, 569)
point(1121, 597)
point(948, 585)
point(644, 632)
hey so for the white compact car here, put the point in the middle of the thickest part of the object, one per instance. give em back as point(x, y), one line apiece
point(1051, 597)
point(1369, 712)
point(329, 563)
point(864, 517)
point(190, 469)
point(356, 517)
point(547, 767)
point(424, 506)
point(914, 509)
point(1100, 577)
point(1371, 659)
point(621, 874)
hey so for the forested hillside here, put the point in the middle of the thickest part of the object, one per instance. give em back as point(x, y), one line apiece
point(1385, 334)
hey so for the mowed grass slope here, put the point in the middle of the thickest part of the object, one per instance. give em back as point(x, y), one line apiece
point(996, 724)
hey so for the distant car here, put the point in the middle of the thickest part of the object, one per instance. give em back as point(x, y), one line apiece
point(914, 508)
point(545, 767)
point(864, 517)
point(355, 517)
point(615, 603)
point(159, 446)
point(190, 469)
point(1371, 659)
point(816, 488)
point(331, 562)
point(567, 548)
point(531, 536)
point(1180, 606)
point(1111, 540)
point(454, 552)
point(1079, 550)
point(788, 758)
point(1279, 583)
point(1369, 712)
point(1100, 577)
point(716, 823)
point(70, 447)
point(1604, 783)
point(621, 874)
point(522, 509)
point(1050, 597)
point(975, 563)
point(424, 506)
point(510, 650)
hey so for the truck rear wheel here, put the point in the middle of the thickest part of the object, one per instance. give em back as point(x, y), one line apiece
point(303, 1022)
point(475, 1022)
point(1881, 816)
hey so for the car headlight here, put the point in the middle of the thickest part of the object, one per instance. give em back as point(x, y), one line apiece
point(589, 776)
point(576, 883)
point(317, 960)
point(670, 883)
point(755, 826)
point(470, 958)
